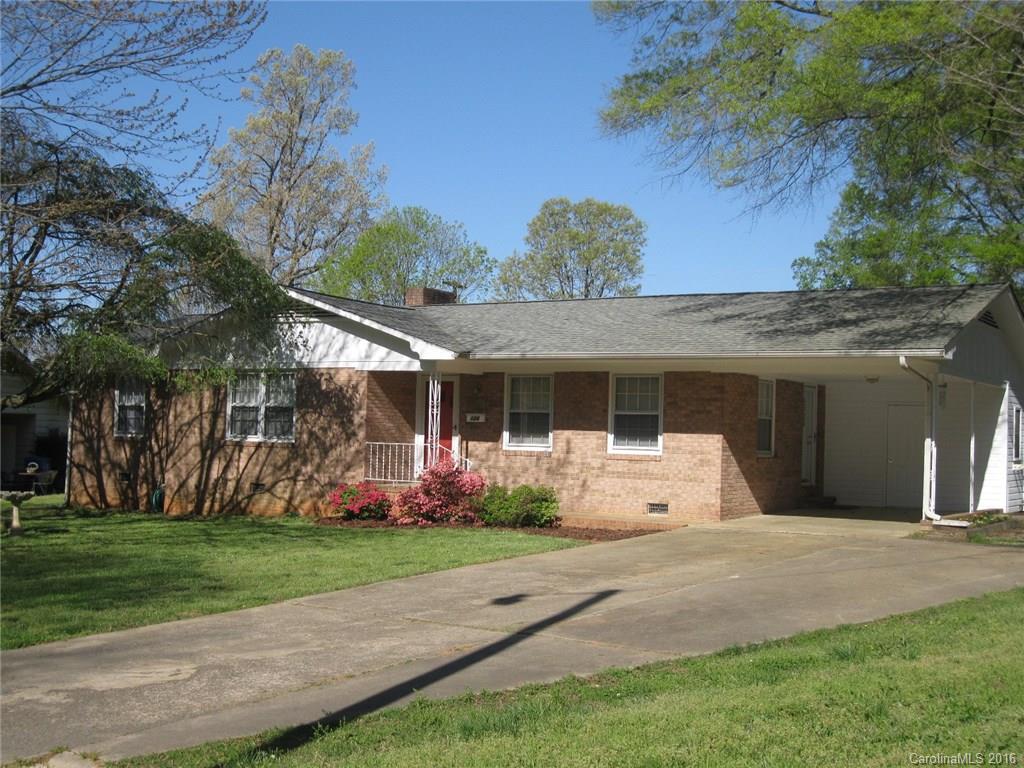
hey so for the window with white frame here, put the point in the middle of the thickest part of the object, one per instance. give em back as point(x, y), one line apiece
point(636, 414)
point(1016, 435)
point(130, 407)
point(261, 406)
point(766, 417)
point(528, 418)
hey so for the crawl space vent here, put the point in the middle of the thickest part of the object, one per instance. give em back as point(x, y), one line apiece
point(258, 488)
point(657, 508)
point(988, 318)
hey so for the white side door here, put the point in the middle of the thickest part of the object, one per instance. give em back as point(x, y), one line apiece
point(904, 460)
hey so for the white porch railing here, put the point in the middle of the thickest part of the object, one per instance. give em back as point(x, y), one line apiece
point(402, 462)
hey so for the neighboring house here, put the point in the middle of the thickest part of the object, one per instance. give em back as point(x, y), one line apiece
point(664, 409)
point(35, 432)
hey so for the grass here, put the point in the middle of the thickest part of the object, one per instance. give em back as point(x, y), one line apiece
point(1011, 538)
point(79, 572)
point(945, 680)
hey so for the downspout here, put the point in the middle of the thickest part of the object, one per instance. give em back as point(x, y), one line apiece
point(928, 507)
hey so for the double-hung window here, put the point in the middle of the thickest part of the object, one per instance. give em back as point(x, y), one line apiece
point(636, 414)
point(528, 416)
point(130, 408)
point(261, 406)
point(765, 417)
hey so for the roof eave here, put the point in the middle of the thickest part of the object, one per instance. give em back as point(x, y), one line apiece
point(423, 348)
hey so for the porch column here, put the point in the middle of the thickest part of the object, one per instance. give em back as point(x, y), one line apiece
point(433, 435)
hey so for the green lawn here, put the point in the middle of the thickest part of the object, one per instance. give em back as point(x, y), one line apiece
point(79, 572)
point(946, 680)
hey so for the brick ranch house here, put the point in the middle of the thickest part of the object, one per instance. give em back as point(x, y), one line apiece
point(660, 409)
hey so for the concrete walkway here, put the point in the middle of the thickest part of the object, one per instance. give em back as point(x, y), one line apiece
point(496, 625)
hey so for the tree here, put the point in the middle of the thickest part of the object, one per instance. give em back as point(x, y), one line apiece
point(583, 250)
point(76, 68)
point(923, 101)
point(906, 236)
point(408, 247)
point(94, 254)
point(281, 189)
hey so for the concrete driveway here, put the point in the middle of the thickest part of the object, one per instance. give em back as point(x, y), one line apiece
point(497, 625)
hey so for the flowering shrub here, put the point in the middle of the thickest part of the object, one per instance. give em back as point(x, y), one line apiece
point(446, 494)
point(362, 501)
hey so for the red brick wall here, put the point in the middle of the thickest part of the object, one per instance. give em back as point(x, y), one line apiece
point(708, 468)
point(203, 472)
point(753, 484)
point(391, 406)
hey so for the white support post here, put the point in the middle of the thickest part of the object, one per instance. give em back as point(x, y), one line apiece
point(970, 503)
point(930, 452)
point(433, 418)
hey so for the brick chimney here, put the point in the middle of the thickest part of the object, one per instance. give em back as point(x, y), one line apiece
point(422, 297)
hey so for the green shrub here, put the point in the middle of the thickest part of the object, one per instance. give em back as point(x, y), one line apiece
point(524, 506)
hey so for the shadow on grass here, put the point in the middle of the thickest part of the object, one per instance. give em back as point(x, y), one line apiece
point(294, 738)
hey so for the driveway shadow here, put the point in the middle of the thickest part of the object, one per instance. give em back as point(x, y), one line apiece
point(296, 737)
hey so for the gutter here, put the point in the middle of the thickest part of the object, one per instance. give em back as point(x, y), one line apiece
point(932, 353)
point(928, 504)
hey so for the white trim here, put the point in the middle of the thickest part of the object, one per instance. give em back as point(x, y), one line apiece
point(424, 349)
point(261, 403)
point(612, 448)
point(505, 444)
point(419, 438)
point(770, 453)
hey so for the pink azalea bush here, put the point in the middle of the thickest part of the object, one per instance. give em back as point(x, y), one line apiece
point(446, 494)
point(362, 501)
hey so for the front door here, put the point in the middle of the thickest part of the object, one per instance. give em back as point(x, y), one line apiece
point(904, 460)
point(447, 409)
point(810, 444)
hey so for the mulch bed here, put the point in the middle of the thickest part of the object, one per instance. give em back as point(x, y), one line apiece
point(588, 534)
point(562, 532)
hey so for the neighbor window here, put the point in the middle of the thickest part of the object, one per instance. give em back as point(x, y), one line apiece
point(130, 408)
point(261, 406)
point(529, 412)
point(765, 417)
point(1016, 434)
point(636, 414)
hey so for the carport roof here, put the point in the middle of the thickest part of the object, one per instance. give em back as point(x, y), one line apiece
point(866, 321)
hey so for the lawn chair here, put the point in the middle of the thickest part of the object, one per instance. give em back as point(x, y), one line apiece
point(42, 483)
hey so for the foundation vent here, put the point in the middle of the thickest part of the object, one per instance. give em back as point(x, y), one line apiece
point(988, 318)
point(657, 508)
point(258, 488)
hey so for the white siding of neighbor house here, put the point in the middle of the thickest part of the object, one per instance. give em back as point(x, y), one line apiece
point(49, 414)
point(855, 436)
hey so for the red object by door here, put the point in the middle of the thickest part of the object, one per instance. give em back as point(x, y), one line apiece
point(447, 409)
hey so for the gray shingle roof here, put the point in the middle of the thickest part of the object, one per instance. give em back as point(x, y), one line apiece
point(727, 324)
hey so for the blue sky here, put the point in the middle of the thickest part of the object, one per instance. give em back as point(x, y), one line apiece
point(482, 111)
